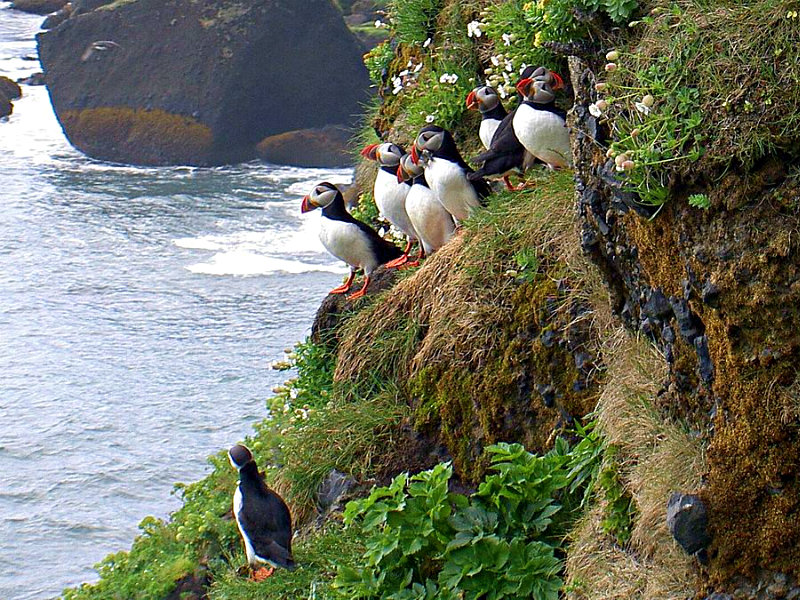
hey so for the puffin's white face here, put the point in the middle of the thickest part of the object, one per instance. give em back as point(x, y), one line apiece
point(429, 140)
point(389, 154)
point(320, 197)
point(549, 77)
point(487, 97)
point(536, 90)
point(413, 169)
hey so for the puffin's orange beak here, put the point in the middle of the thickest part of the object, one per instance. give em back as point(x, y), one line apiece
point(307, 206)
point(414, 155)
point(559, 85)
point(370, 152)
point(472, 100)
point(523, 85)
point(401, 176)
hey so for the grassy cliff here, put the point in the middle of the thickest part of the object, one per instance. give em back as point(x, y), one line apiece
point(632, 325)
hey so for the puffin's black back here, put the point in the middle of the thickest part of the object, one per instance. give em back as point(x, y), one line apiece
point(385, 251)
point(265, 518)
point(505, 153)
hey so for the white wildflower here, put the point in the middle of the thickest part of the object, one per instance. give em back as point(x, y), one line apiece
point(611, 67)
point(595, 111)
point(403, 73)
point(379, 24)
point(474, 29)
point(642, 108)
point(418, 68)
point(506, 39)
point(612, 56)
point(502, 92)
point(509, 66)
point(430, 119)
point(495, 61)
point(427, 43)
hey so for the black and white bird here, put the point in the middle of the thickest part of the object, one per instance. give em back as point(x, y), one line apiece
point(262, 516)
point(433, 223)
point(446, 172)
point(486, 100)
point(347, 238)
point(390, 194)
point(540, 126)
point(505, 155)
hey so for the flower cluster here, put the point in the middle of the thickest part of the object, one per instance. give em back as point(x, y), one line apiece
point(500, 75)
point(407, 77)
point(474, 29)
point(450, 78)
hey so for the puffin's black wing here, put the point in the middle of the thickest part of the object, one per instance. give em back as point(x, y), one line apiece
point(266, 521)
point(384, 250)
point(505, 153)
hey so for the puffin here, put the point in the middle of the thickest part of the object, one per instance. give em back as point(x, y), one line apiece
point(347, 238)
point(486, 100)
point(262, 516)
point(541, 74)
point(505, 155)
point(541, 127)
point(431, 220)
point(390, 194)
point(446, 172)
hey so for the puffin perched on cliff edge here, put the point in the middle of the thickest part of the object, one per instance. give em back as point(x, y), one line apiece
point(262, 516)
point(446, 172)
point(390, 194)
point(347, 238)
point(540, 126)
point(486, 100)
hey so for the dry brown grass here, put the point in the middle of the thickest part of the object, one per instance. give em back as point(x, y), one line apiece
point(656, 458)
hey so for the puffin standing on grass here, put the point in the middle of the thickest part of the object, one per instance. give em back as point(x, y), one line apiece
point(390, 194)
point(431, 220)
point(446, 172)
point(347, 238)
point(486, 100)
point(262, 516)
point(540, 126)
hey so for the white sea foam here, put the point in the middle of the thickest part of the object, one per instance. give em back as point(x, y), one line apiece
point(244, 263)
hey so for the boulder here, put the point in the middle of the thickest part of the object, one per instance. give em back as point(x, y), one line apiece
point(158, 82)
point(9, 88)
point(35, 79)
point(325, 147)
point(687, 520)
point(57, 18)
point(6, 108)
point(38, 7)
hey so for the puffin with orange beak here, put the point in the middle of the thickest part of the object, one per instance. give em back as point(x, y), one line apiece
point(347, 238)
point(486, 100)
point(540, 126)
point(446, 172)
point(390, 194)
point(431, 220)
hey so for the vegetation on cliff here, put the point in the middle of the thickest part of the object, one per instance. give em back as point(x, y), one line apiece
point(663, 309)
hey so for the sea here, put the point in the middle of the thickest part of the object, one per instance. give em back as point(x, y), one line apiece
point(141, 310)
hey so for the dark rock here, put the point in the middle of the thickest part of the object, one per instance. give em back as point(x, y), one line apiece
point(332, 488)
point(6, 108)
point(9, 89)
point(710, 294)
point(35, 79)
point(57, 18)
point(706, 367)
point(191, 587)
point(668, 334)
point(582, 360)
point(548, 338)
point(719, 596)
point(686, 321)
point(183, 82)
point(687, 520)
point(547, 393)
point(657, 305)
point(335, 306)
point(38, 7)
point(325, 147)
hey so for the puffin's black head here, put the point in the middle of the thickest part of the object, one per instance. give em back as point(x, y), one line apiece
point(484, 98)
point(239, 456)
point(321, 196)
point(431, 138)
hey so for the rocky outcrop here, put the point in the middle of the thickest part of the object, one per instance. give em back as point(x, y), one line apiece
point(9, 89)
point(325, 147)
point(154, 82)
point(38, 7)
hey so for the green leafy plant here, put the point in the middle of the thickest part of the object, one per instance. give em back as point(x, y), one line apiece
point(699, 201)
point(620, 508)
point(423, 541)
point(413, 21)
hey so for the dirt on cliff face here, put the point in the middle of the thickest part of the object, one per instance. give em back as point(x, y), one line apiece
point(718, 291)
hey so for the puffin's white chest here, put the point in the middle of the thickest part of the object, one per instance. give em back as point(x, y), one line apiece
point(348, 243)
point(237, 508)
point(544, 134)
point(449, 182)
point(390, 198)
point(487, 130)
point(431, 220)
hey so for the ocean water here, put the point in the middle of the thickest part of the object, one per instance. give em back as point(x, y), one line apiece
point(140, 310)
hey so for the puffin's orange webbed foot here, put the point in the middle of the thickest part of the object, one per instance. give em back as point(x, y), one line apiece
point(263, 573)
